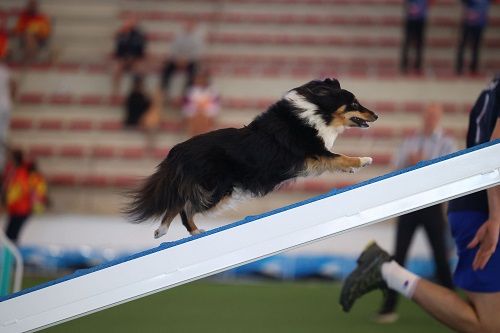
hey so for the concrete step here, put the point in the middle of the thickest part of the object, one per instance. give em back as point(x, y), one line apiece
point(396, 90)
point(87, 118)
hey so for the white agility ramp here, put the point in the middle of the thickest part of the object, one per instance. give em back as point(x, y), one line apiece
point(176, 263)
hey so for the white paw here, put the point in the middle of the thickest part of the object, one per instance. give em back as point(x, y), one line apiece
point(364, 161)
point(197, 232)
point(160, 231)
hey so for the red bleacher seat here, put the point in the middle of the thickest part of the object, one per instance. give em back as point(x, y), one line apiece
point(63, 179)
point(21, 124)
point(133, 153)
point(31, 98)
point(61, 98)
point(72, 151)
point(95, 181)
point(41, 151)
point(80, 125)
point(92, 100)
point(110, 125)
point(50, 124)
point(103, 152)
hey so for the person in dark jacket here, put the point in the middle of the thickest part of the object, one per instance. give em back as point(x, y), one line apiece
point(130, 46)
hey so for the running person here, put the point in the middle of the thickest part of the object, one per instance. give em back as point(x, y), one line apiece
point(475, 224)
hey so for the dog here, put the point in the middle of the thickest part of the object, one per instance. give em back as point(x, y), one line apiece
point(293, 138)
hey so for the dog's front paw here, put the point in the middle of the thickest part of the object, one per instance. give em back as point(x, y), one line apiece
point(364, 161)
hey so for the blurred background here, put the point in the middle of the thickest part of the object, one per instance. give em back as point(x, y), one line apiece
point(94, 94)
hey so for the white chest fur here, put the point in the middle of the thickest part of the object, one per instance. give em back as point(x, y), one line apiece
point(309, 114)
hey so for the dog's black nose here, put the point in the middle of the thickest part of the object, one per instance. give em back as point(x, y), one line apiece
point(375, 116)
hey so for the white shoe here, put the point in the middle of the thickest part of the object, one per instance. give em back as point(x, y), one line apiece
point(386, 318)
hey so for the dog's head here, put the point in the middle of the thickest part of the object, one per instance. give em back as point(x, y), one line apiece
point(336, 107)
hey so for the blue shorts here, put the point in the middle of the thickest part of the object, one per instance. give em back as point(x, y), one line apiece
point(464, 225)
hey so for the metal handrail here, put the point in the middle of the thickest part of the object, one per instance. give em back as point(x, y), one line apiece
point(18, 274)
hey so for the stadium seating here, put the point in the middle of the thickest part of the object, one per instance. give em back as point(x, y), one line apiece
point(66, 118)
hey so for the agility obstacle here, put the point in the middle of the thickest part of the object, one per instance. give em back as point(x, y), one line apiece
point(255, 237)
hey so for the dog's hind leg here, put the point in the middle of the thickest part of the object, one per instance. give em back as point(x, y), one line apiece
point(188, 222)
point(165, 223)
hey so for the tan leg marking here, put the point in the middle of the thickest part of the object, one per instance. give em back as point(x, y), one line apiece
point(337, 162)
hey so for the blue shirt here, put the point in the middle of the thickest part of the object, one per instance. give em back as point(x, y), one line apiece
point(416, 9)
point(476, 12)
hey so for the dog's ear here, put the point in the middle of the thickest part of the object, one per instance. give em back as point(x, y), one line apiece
point(333, 82)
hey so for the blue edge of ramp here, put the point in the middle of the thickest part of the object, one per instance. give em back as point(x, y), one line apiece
point(247, 219)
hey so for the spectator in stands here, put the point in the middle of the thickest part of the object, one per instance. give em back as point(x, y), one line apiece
point(475, 225)
point(474, 21)
point(16, 192)
point(201, 105)
point(130, 49)
point(185, 55)
point(7, 95)
point(414, 32)
point(430, 143)
point(33, 29)
point(137, 103)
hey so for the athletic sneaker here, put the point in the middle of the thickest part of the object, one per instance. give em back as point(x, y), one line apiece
point(386, 315)
point(366, 277)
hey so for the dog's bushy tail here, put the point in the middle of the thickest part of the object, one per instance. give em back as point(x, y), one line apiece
point(156, 195)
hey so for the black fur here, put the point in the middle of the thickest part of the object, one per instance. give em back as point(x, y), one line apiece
point(198, 173)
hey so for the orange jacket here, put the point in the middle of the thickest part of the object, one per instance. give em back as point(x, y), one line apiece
point(37, 24)
point(18, 191)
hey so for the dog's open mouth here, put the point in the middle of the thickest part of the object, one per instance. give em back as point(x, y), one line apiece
point(360, 122)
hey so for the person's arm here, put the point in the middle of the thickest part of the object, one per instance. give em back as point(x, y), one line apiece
point(487, 235)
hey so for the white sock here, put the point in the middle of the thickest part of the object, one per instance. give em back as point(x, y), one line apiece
point(399, 278)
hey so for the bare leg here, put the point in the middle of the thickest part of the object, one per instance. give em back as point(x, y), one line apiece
point(479, 315)
point(188, 222)
point(334, 163)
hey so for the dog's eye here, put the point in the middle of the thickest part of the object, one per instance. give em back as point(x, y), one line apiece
point(355, 106)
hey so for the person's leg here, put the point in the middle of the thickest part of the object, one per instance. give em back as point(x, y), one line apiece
point(191, 70)
point(405, 230)
point(435, 227)
point(379, 271)
point(14, 226)
point(459, 65)
point(405, 46)
point(419, 44)
point(167, 72)
point(476, 36)
point(478, 314)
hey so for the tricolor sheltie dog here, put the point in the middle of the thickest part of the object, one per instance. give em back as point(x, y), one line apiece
point(293, 138)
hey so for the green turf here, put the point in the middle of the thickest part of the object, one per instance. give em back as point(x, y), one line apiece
point(248, 307)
